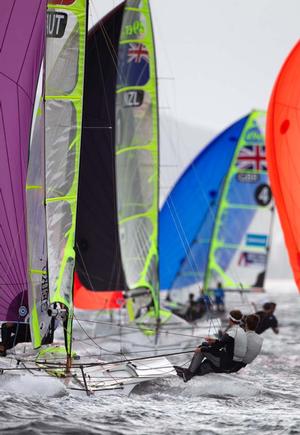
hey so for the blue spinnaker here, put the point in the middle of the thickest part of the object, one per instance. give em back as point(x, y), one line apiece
point(188, 214)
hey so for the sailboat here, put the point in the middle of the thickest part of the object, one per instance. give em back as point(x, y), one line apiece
point(282, 153)
point(219, 215)
point(53, 202)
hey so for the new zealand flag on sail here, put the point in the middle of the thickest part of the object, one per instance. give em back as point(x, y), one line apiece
point(252, 157)
point(133, 65)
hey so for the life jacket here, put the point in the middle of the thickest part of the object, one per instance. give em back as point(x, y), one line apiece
point(254, 345)
point(240, 342)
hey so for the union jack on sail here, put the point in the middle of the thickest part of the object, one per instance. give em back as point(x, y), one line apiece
point(136, 53)
point(252, 157)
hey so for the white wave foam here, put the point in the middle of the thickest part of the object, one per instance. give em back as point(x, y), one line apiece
point(217, 385)
point(29, 385)
point(220, 385)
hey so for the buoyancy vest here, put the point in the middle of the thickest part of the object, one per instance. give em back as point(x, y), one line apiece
point(240, 342)
point(254, 345)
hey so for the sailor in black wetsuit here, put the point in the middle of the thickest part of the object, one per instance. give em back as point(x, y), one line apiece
point(12, 334)
point(267, 319)
point(219, 356)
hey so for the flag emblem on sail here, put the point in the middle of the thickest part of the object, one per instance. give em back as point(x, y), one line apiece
point(137, 52)
point(248, 259)
point(252, 157)
point(133, 64)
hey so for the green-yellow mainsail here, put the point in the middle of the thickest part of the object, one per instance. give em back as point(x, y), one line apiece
point(64, 78)
point(137, 157)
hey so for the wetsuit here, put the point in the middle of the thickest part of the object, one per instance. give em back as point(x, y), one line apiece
point(222, 356)
point(14, 333)
point(266, 321)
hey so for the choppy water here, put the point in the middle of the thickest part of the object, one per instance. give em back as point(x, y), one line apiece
point(264, 398)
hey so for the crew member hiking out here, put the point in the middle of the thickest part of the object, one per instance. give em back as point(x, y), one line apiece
point(267, 319)
point(254, 342)
point(219, 356)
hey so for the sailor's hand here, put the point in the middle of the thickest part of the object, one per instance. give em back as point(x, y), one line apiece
point(198, 349)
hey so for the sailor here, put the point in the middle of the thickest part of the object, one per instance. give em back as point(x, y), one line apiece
point(12, 334)
point(267, 319)
point(204, 300)
point(254, 342)
point(190, 314)
point(219, 298)
point(220, 356)
point(15, 333)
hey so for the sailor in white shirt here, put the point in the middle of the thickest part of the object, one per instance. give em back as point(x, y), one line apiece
point(254, 342)
point(222, 355)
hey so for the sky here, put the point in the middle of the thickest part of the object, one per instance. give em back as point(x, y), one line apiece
point(217, 60)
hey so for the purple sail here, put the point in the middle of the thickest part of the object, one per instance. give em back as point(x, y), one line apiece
point(22, 29)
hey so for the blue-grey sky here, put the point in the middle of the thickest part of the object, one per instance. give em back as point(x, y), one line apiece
point(222, 55)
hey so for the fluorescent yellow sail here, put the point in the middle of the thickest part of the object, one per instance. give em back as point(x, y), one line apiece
point(137, 162)
point(64, 71)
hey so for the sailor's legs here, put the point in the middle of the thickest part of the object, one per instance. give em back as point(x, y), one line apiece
point(8, 331)
point(205, 367)
point(14, 333)
point(196, 362)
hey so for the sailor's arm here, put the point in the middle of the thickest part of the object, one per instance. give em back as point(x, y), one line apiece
point(274, 325)
point(215, 344)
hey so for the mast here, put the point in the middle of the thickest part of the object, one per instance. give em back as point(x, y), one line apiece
point(137, 160)
point(64, 79)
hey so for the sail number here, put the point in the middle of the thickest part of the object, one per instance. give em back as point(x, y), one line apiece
point(263, 195)
point(133, 98)
point(56, 24)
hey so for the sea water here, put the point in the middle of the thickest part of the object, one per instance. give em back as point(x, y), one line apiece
point(262, 398)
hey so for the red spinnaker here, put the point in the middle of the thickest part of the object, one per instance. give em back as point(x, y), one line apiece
point(283, 153)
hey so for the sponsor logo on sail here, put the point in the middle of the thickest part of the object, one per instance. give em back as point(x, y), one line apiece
point(253, 135)
point(137, 28)
point(56, 24)
point(23, 311)
point(260, 240)
point(44, 290)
